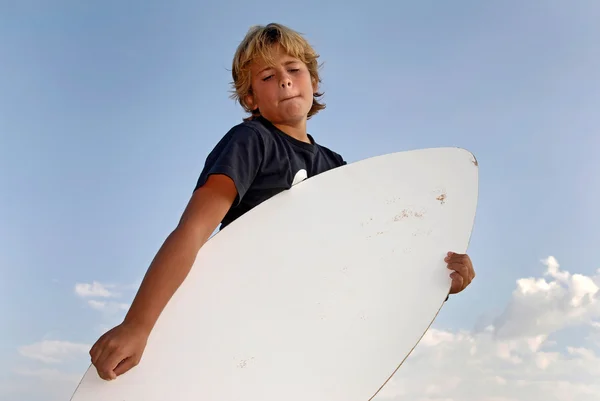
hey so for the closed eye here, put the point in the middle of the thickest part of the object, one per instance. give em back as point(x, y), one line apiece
point(271, 76)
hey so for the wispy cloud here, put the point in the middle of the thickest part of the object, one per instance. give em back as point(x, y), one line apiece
point(53, 351)
point(103, 297)
point(51, 375)
point(108, 306)
point(95, 289)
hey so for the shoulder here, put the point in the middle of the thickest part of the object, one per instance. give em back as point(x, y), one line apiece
point(240, 141)
point(245, 132)
point(330, 154)
point(239, 154)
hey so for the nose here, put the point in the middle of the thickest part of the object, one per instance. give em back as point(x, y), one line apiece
point(286, 81)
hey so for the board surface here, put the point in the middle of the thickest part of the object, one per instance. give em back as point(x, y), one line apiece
point(317, 294)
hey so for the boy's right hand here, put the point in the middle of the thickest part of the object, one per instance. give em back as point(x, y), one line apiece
point(119, 350)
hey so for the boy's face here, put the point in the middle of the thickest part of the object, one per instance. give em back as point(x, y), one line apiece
point(283, 92)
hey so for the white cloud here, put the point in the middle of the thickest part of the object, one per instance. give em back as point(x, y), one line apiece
point(53, 351)
point(478, 367)
point(524, 355)
point(94, 289)
point(55, 369)
point(541, 306)
point(521, 357)
point(98, 305)
point(110, 307)
point(99, 296)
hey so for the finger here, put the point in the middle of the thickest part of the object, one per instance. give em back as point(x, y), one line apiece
point(101, 368)
point(468, 271)
point(460, 277)
point(96, 350)
point(460, 269)
point(100, 345)
point(463, 258)
point(113, 360)
point(105, 365)
point(105, 369)
point(101, 352)
point(126, 365)
point(457, 283)
point(104, 374)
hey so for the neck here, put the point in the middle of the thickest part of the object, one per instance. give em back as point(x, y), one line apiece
point(296, 131)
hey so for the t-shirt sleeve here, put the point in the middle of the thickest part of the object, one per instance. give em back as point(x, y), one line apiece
point(238, 155)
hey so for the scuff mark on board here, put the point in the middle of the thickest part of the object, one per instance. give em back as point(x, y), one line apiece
point(406, 213)
point(378, 233)
point(243, 363)
point(364, 223)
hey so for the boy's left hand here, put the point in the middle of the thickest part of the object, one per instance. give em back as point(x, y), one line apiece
point(463, 272)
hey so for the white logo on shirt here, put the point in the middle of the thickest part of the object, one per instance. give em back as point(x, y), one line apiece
point(299, 177)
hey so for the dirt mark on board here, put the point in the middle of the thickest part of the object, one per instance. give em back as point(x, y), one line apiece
point(406, 213)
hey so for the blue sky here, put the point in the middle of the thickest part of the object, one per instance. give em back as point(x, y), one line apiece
point(108, 110)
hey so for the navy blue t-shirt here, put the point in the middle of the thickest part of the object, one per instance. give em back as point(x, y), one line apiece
point(263, 161)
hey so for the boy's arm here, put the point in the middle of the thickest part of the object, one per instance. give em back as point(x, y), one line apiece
point(121, 348)
point(171, 265)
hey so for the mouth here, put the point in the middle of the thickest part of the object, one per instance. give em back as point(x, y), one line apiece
point(290, 98)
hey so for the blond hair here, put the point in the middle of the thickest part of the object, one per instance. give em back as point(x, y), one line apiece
point(257, 45)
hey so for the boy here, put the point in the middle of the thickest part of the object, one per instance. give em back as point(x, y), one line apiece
point(276, 80)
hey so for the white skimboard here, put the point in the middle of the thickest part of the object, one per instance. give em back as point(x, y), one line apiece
point(318, 294)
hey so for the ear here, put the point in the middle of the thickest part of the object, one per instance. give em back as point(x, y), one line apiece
point(249, 100)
